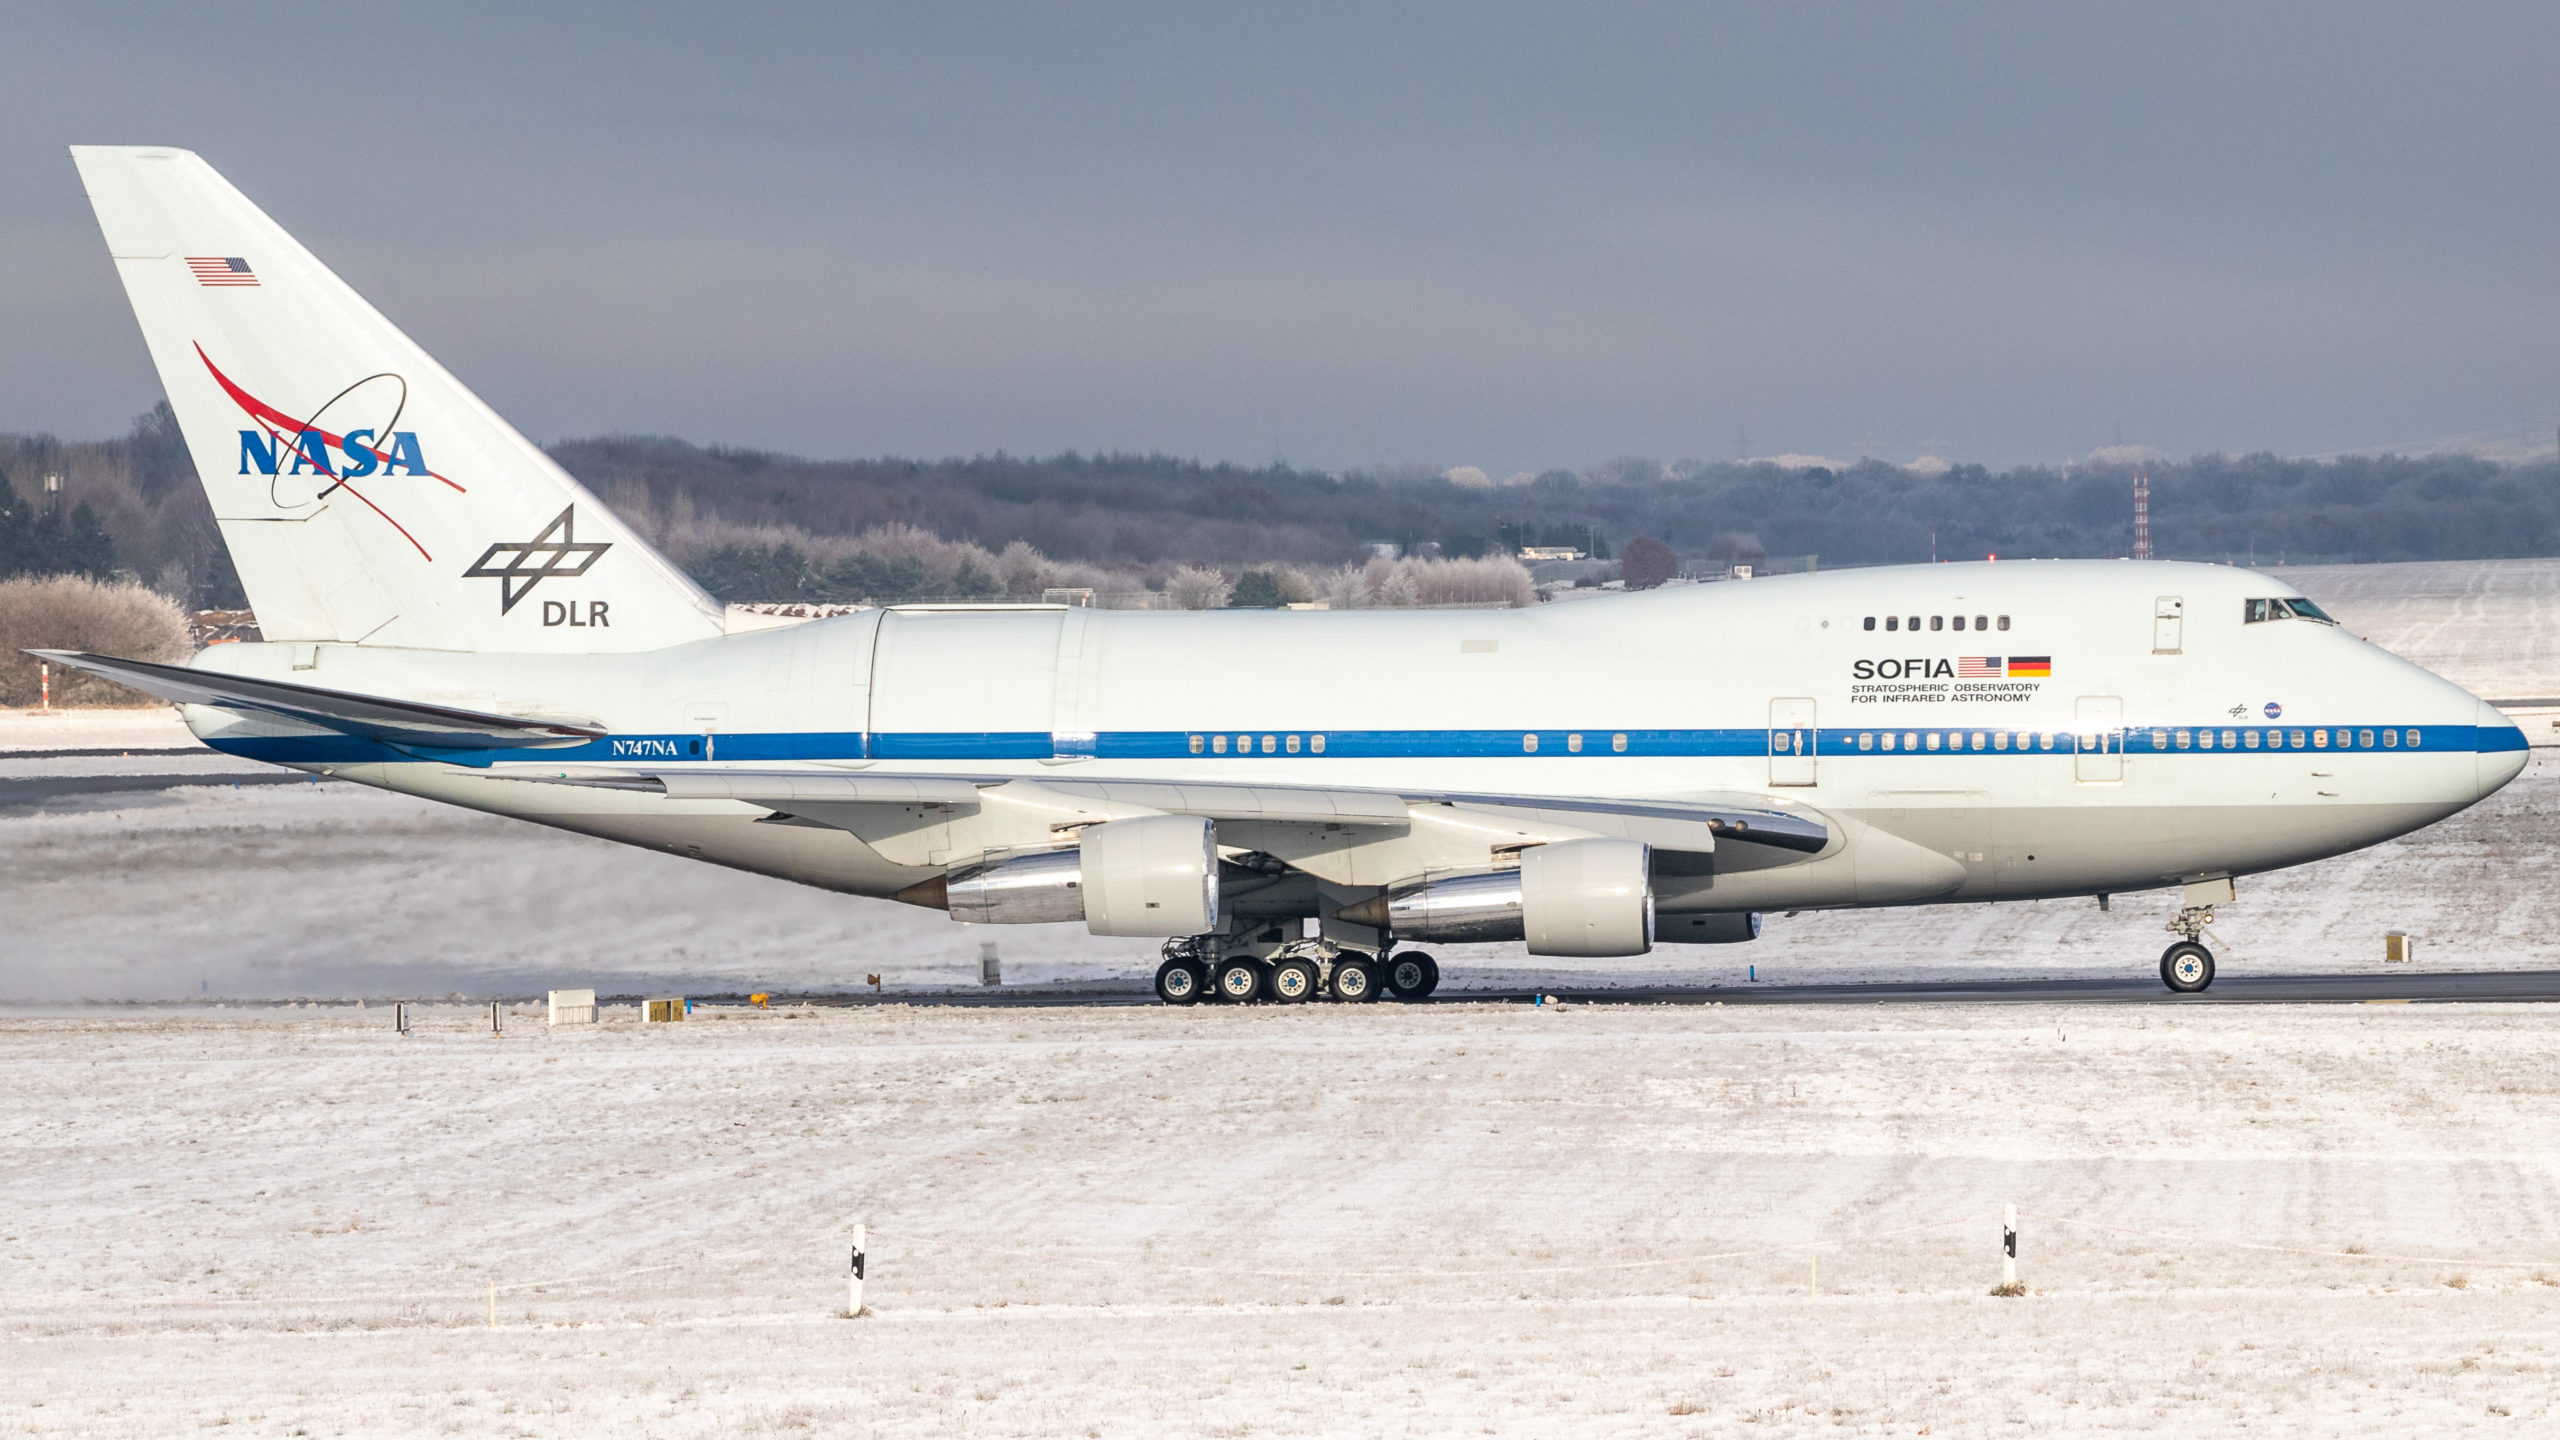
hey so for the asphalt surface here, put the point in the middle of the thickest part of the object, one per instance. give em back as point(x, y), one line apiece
point(2414, 987)
point(20, 794)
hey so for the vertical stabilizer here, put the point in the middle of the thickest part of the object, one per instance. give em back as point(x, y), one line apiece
point(366, 495)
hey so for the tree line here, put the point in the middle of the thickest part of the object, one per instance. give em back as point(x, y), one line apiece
point(755, 524)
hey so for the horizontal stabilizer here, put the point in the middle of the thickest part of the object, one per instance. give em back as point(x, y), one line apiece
point(393, 722)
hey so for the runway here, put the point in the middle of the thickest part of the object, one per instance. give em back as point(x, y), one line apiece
point(30, 792)
point(2455, 987)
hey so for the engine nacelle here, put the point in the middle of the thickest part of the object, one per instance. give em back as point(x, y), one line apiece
point(1152, 875)
point(1569, 897)
point(1587, 897)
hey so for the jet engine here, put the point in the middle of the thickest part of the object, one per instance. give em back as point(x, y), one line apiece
point(1153, 875)
point(1569, 897)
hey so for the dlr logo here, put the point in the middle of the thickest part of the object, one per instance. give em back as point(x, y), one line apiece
point(565, 612)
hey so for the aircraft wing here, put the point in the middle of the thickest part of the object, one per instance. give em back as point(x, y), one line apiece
point(861, 802)
point(393, 722)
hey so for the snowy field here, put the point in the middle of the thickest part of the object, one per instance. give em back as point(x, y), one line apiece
point(219, 1213)
point(1388, 1220)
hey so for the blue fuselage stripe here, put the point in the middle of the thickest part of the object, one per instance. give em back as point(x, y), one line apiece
point(2201, 742)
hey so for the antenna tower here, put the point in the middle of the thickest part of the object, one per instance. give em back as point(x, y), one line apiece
point(2141, 516)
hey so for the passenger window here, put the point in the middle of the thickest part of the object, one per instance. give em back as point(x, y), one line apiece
point(2183, 738)
point(1910, 739)
point(2159, 739)
point(1316, 743)
point(2045, 741)
point(1981, 622)
point(1269, 744)
point(1959, 622)
point(1867, 741)
point(2249, 738)
point(1529, 744)
point(2390, 738)
point(1292, 744)
point(1871, 622)
point(1937, 622)
point(2004, 622)
point(2297, 739)
point(1195, 744)
point(1218, 743)
point(1933, 739)
point(2364, 739)
point(1244, 744)
point(1618, 742)
point(1999, 739)
point(1572, 743)
point(2319, 739)
point(2230, 741)
point(1892, 622)
point(1915, 622)
point(2204, 739)
point(1978, 738)
point(2413, 739)
point(1888, 739)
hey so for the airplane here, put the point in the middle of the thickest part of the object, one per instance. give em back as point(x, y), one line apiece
point(1293, 803)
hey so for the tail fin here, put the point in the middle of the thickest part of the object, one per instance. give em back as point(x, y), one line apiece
point(365, 494)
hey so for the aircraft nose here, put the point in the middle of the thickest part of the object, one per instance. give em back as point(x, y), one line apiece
point(2501, 749)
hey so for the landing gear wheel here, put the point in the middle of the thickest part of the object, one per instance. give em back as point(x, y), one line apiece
point(2186, 967)
point(1239, 980)
point(1182, 982)
point(1292, 982)
point(1413, 975)
point(1355, 981)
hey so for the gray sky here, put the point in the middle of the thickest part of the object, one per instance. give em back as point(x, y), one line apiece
point(1512, 237)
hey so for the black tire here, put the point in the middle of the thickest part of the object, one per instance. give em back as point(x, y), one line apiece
point(1355, 981)
point(1239, 980)
point(2186, 967)
point(1292, 982)
point(1182, 982)
point(1412, 975)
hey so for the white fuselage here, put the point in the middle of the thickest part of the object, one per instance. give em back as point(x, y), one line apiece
point(2166, 740)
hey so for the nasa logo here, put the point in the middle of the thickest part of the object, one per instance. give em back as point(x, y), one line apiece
point(266, 452)
point(2274, 710)
point(1912, 669)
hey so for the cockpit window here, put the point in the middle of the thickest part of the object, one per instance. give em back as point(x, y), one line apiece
point(2283, 608)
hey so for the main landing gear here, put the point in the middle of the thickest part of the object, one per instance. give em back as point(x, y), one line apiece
point(2187, 966)
point(1292, 975)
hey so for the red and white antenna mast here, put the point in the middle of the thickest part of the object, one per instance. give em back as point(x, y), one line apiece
point(2141, 516)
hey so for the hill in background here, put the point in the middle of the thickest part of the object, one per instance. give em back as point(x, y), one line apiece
point(756, 525)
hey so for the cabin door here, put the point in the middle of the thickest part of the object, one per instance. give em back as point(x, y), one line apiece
point(2168, 624)
point(1791, 742)
point(2098, 741)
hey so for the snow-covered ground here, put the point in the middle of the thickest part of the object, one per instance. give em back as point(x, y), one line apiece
point(1327, 1220)
point(1382, 1220)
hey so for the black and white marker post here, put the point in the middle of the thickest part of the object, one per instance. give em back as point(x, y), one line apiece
point(853, 1283)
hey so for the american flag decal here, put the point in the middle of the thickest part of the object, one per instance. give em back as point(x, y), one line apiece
point(1979, 667)
point(221, 270)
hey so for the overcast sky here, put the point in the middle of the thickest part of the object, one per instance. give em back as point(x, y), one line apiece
point(1512, 237)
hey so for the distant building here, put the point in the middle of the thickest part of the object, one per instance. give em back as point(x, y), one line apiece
point(1534, 553)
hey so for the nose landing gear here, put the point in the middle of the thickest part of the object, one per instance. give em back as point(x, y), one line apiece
point(2187, 966)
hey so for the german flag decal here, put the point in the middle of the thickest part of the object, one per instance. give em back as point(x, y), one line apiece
point(2030, 667)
